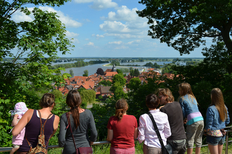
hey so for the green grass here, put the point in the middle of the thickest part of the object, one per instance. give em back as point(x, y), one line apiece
point(105, 149)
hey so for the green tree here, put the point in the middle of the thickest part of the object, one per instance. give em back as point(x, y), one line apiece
point(186, 25)
point(71, 72)
point(100, 71)
point(119, 71)
point(86, 73)
point(117, 88)
point(105, 83)
point(136, 72)
point(156, 65)
point(115, 62)
point(39, 41)
point(132, 72)
point(119, 78)
point(88, 96)
point(134, 84)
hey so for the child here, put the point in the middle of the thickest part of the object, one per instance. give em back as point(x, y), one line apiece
point(19, 110)
point(195, 123)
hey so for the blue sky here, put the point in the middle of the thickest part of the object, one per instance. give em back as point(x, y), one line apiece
point(108, 28)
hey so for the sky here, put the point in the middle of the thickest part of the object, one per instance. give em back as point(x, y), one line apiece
point(108, 28)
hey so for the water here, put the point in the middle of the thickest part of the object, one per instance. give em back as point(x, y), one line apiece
point(79, 71)
point(143, 63)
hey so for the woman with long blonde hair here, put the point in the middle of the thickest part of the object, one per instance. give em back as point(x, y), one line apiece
point(122, 130)
point(217, 117)
point(191, 113)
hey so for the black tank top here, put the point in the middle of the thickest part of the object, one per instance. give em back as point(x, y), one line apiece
point(33, 130)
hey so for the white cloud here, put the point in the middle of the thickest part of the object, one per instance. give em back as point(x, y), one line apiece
point(65, 19)
point(123, 13)
point(71, 34)
point(126, 21)
point(136, 41)
point(98, 36)
point(83, 1)
point(116, 42)
point(19, 16)
point(90, 44)
point(121, 47)
point(87, 20)
point(123, 36)
point(99, 4)
point(114, 26)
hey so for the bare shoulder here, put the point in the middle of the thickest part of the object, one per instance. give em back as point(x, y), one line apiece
point(29, 113)
point(57, 118)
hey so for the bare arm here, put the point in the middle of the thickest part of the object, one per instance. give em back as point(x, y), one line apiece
point(22, 122)
point(109, 135)
point(15, 120)
point(55, 124)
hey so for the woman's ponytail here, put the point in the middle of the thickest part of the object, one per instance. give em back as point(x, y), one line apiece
point(121, 108)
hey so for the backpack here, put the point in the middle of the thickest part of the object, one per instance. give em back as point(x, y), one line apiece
point(41, 146)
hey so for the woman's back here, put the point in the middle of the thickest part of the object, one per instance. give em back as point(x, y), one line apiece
point(147, 131)
point(123, 131)
point(80, 133)
point(213, 121)
point(33, 131)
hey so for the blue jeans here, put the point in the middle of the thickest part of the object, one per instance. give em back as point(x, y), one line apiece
point(215, 140)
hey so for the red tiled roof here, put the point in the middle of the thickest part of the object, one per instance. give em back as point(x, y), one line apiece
point(108, 70)
point(111, 73)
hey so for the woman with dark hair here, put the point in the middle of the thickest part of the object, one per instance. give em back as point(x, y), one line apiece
point(217, 117)
point(146, 129)
point(195, 123)
point(122, 130)
point(81, 121)
point(31, 121)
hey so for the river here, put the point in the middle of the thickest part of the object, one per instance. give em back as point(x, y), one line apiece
point(79, 71)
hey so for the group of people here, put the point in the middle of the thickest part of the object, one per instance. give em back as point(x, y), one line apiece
point(170, 117)
point(77, 127)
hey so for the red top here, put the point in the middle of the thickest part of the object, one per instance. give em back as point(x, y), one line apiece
point(123, 131)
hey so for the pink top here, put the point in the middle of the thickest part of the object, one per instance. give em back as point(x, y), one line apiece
point(18, 139)
point(19, 109)
point(147, 132)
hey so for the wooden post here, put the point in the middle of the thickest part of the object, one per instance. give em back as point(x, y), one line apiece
point(226, 151)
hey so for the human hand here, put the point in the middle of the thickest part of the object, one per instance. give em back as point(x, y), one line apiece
point(185, 120)
point(90, 143)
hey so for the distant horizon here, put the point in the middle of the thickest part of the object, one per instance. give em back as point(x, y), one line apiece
point(126, 57)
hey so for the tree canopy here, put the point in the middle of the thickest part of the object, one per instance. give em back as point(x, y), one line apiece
point(100, 71)
point(186, 25)
point(86, 73)
point(27, 43)
point(31, 47)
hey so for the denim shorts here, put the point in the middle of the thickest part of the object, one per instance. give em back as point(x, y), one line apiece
point(215, 140)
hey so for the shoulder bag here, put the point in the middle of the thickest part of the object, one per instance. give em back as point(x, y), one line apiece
point(165, 150)
point(80, 150)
